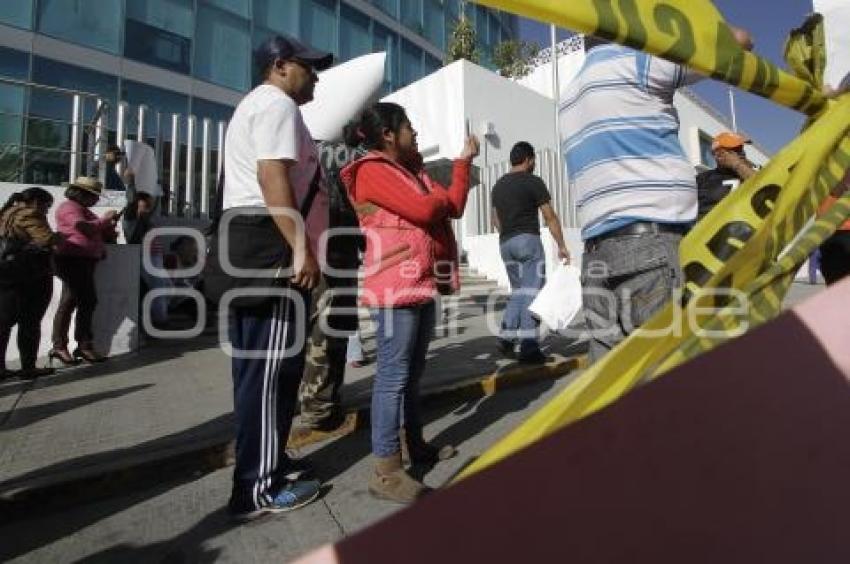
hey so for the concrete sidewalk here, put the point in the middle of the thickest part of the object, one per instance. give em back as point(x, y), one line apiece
point(171, 403)
point(168, 408)
point(183, 519)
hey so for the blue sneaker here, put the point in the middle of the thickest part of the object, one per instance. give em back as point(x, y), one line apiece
point(294, 495)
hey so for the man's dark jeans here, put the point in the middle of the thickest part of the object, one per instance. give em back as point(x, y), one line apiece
point(526, 265)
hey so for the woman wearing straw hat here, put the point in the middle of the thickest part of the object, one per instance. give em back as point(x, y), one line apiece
point(76, 258)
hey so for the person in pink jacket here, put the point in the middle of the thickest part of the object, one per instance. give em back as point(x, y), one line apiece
point(76, 257)
point(411, 258)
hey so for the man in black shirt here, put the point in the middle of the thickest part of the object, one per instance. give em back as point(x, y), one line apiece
point(518, 198)
point(732, 169)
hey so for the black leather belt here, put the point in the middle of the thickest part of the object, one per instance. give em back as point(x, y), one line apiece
point(636, 228)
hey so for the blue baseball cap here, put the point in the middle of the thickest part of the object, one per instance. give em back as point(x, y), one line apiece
point(286, 49)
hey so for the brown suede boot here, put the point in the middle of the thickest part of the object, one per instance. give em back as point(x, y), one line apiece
point(391, 482)
point(415, 450)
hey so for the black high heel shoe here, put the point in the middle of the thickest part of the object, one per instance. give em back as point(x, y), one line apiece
point(62, 355)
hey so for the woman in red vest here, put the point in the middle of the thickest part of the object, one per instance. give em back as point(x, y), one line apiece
point(411, 258)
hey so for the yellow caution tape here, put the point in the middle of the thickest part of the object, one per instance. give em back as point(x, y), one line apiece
point(691, 32)
point(749, 247)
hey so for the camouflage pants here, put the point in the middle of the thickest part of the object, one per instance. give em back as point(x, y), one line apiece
point(325, 365)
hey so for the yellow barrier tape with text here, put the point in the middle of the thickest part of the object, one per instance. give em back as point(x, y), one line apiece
point(738, 261)
point(691, 32)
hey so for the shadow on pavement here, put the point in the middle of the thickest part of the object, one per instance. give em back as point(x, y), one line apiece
point(477, 414)
point(150, 473)
point(27, 415)
point(24, 536)
point(186, 547)
point(153, 353)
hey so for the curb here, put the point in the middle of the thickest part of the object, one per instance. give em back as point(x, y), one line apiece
point(46, 494)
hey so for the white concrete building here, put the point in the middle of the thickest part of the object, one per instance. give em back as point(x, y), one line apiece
point(462, 96)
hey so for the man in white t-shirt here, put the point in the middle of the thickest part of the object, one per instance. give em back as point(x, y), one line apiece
point(271, 164)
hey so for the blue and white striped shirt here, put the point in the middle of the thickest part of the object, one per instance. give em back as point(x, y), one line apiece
point(622, 152)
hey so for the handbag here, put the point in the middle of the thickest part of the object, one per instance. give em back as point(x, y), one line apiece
point(11, 260)
point(253, 243)
point(12, 254)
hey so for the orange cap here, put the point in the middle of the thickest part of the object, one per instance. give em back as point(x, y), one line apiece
point(728, 140)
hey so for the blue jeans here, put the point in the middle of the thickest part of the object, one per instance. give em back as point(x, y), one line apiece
point(403, 336)
point(526, 265)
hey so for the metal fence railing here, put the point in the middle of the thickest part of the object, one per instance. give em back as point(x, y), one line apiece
point(46, 148)
point(481, 200)
point(56, 145)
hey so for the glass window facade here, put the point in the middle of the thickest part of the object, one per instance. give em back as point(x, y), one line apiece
point(241, 8)
point(223, 48)
point(159, 32)
point(435, 22)
point(48, 125)
point(58, 106)
point(93, 23)
point(211, 40)
point(319, 24)
point(411, 62)
point(431, 64)
point(389, 7)
point(17, 13)
point(354, 34)
point(13, 64)
point(411, 14)
point(212, 110)
point(162, 102)
point(274, 16)
point(385, 40)
point(482, 30)
point(158, 100)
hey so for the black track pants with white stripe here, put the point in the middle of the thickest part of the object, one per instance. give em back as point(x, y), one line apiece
point(265, 392)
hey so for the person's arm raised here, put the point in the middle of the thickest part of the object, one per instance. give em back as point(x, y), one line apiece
point(461, 170)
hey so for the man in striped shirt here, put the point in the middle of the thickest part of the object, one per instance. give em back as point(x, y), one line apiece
point(634, 186)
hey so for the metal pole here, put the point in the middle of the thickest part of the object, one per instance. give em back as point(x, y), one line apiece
point(76, 137)
point(732, 109)
point(174, 173)
point(158, 145)
point(190, 165)
point(121, 130)
point(101, 138)
point(222, 127)
point(206, 130)
point(556, 96)
point(140, 132)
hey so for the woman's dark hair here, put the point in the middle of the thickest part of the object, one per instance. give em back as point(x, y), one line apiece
point(369, 131)
point(77, 194)
point(28, 196)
